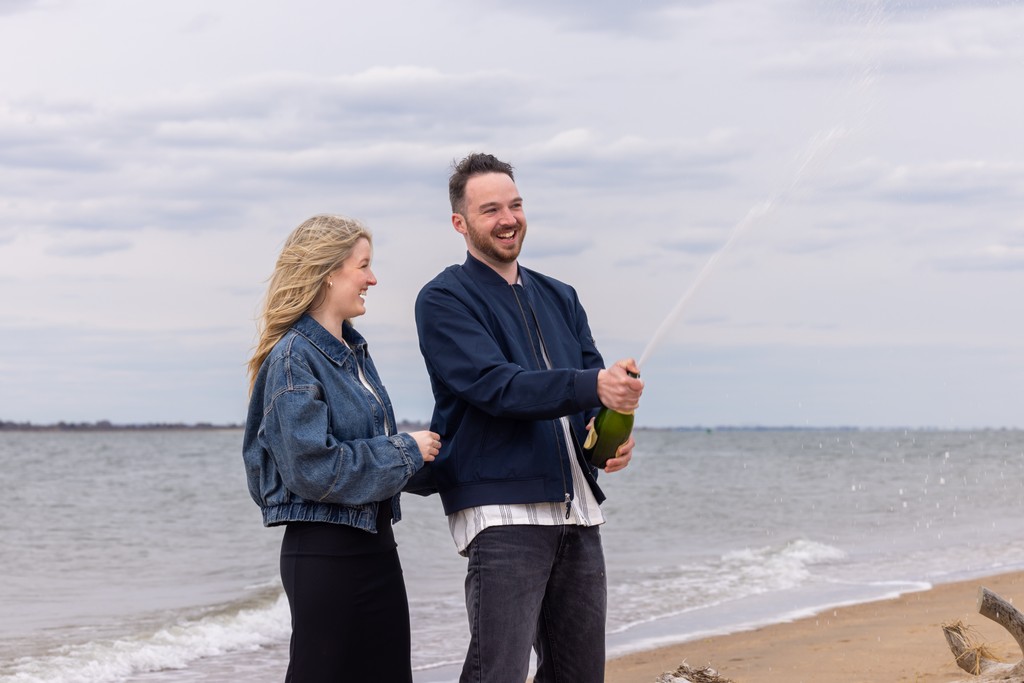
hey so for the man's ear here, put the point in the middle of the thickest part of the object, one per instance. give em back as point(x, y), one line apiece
point(459, 223)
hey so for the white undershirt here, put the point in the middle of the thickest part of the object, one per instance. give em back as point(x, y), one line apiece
point(583, 511)
point(362, 378)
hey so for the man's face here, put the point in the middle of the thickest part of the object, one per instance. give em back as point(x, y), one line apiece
point(493, 220)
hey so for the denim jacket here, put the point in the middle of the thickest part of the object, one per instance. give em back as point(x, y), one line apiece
point(316, 447)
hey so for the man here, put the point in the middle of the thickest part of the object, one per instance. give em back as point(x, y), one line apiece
point(516, 375)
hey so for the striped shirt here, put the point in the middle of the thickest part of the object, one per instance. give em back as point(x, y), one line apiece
point(583, 509)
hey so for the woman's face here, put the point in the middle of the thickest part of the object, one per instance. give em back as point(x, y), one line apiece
point(350, 282)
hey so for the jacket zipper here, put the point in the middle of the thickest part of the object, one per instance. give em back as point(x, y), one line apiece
point(543, 366)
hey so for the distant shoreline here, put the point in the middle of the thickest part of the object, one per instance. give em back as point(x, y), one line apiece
point(104, 426)
point(412, 426)
point(107, 426)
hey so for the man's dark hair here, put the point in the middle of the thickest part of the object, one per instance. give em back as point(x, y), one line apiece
point(474, 164)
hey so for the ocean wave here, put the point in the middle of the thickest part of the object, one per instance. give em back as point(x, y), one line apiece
point(238, 628)
point(777, 568)
point(650, 594)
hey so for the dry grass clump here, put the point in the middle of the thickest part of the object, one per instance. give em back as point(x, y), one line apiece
point(970, 654)
point(687, 674)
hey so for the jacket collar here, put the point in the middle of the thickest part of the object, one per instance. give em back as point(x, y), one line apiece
point(327, 342)
point(485, 275)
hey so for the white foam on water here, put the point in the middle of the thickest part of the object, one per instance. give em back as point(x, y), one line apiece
point(738, 574)
point(173, 647)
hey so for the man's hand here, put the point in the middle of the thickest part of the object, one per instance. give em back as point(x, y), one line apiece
point(622, 457)
point(617, 390)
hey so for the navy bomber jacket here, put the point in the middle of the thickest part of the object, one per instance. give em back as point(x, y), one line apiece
point(496, 403)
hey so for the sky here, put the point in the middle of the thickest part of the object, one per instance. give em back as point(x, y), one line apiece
point(797, 212)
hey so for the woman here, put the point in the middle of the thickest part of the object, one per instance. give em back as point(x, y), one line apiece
point(322, 456)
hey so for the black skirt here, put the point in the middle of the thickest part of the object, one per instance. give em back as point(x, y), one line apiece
point(350, 613)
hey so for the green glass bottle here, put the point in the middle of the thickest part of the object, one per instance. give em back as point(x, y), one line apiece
point(611, 429)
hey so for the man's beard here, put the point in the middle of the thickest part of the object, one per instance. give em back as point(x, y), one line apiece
point(485, 246)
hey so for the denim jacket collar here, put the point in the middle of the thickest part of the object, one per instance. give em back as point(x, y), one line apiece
point(326, 342)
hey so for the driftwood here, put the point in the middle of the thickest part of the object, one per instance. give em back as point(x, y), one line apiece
point(975, 658)
point(687, 674)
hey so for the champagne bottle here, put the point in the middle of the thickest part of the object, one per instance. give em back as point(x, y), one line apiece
point(610, 430)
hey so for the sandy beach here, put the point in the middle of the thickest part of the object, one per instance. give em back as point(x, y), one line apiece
point(889, 641)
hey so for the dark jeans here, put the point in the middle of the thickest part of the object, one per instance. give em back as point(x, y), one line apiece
point(536, 585)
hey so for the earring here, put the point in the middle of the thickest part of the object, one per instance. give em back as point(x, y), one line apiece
point(330, 283)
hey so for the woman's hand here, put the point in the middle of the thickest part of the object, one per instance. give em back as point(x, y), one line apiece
point(429, 443)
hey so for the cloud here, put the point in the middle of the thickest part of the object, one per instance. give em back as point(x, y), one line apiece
point(954, 182)
point(932, 6)
point(199, 159)
point(990, 258)
point(202, 22)
point(584, 158)
point(15, 6)
point(603, 16)
point(80, 249)
point(871, 39)
point(942, 182)
point(271, 112)
point(196, 159)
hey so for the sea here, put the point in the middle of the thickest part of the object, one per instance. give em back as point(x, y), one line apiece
point(138, 556)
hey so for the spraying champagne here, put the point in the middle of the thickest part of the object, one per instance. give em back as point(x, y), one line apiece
point(611, 429)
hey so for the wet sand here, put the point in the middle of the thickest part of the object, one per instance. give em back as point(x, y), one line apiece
point(890, 641)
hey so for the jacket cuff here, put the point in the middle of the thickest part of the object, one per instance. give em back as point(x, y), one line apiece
point(586, 388)
point(410, 451)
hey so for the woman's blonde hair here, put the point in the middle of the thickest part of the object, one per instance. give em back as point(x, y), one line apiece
point(314, 249)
